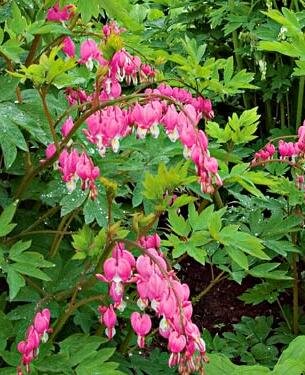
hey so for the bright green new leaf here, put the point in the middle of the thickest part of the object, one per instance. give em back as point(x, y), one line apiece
point(178, 223)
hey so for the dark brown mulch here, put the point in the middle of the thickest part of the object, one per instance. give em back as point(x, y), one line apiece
point(220, 308)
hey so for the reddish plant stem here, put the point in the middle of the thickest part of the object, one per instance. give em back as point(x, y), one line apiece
point(264, 162)
point(32, 51)
point(43, 95)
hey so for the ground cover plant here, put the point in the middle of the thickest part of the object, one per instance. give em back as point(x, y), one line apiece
point(152, 187)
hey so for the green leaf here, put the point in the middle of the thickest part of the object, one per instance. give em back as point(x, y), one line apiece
point(6, 327)
point(83, 239)
point(178, 224)
point(119, 10)
point(281, 247)
point(18, 248)
point(228, 71)
point(54, 364)
point(17, 23)
point(12, 50)
point(15, 282)
point(220, 364)
point(42, 27)
point(96, 210)
point(8, 88)
point(5, 219)
point(267, 270)
point(79, 347)
point(11, 136)
point(300, 70)
point(72, 201)
point(238, 256)
point(214, 225)
point(97, 366)
point(276, 227)
point(88, 9)
point(192, 215)
point(239, 130)
point(183, 200)
point(198, 254)
point(292, 360)
point(29, 270)
point(283, 47)
point(266, 291)
point(33, 259)
point(179, 249)
point(166, 180)
point(230, 236)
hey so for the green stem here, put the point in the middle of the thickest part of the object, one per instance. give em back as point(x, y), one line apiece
point(81, 285)
point(295, 286)
point(43, 95)
point(295, 294)
point(62, 230)
point(36, 286)
point(217, 200)
point(300, 102)
point(288, 111)
point(43, 231)
point(69, 311)
point(282, 114)
point(269, 123)
point(239, 63)
point(205, 291)
point(275, 4)
point(124, 345)
point(42, 218)
point(283, 314)
point(296, 5)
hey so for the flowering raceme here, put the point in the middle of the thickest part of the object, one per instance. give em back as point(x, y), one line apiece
point(288, 152)
point(36, 333)
point(285, 150)
point(60, 14)
point(175, 109)
point(111, 117)
point(160, 290)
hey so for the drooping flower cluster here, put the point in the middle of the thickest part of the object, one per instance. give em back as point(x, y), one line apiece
point(174, 109)
point(179, 119)
point(286, 152)
point(112, 28)
point(75, 166)
point(266, 153)
point(37, 333)
point(160, 292)
point(105, 128)
point(58, 14)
